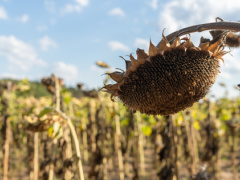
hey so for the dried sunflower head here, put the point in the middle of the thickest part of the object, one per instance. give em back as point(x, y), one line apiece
point(36, 124)
point(169, 78)
point(49, 83)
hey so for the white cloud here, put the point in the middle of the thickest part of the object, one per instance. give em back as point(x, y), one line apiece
point(115, 45)
point(46, 43)
point(181, 13)
point(142, 43)
point(116, 12)
point(225, 75)
point(23, 19)
point(75, 7)
point(69, 8)
point(154, 4)
point(3, 13)
point(11, 75)
point(53, 21)
point(68, 72)
point(82, 2)
point(19, 55)
point(42, 28)
point(97, 69)
point(50, 6)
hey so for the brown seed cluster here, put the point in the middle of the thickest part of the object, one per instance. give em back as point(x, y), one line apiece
point(185, 77)
point(168, 79)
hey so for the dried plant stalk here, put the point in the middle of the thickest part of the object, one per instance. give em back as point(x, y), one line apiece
point(223, 25)
point(233, 153)
point(174, 146)
point(73, 132)
point(6, 149)
point(190, 139)
point(141, 150)
point(58, 102)
point(36, 165)
point(92, 118)
point(76, 143)
point(68, 152)
point(118, 146)
point(6, 129)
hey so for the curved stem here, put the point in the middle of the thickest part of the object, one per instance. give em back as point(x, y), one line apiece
point(224, 25)
point(76, 142)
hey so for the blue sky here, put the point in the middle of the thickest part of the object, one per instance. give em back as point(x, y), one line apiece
point(67, 37)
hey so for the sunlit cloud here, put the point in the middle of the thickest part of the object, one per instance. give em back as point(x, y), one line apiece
point(66, 71)
point(69, 8)
point(116, 12)
point(23, 19)
point(46, 43)
point(42, 28)
point(82, 2)
point(142, 43)
point(11, 76)
point(19, 55)
point(97, 69)
point(154, 4)
point(3, 13)
point(50, 6)
point(76, 6)
point(115, 45)
point(225, 75)
point(181, 13)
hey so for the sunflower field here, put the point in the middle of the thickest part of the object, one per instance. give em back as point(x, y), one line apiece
point(66, 134)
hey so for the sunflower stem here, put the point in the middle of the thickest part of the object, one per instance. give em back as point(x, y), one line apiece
point(36, 156)
point(118, 147)
point(76, 142)
point(223, 25)
point(174, 146)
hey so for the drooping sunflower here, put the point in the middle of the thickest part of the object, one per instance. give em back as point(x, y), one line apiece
point(170, 77)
